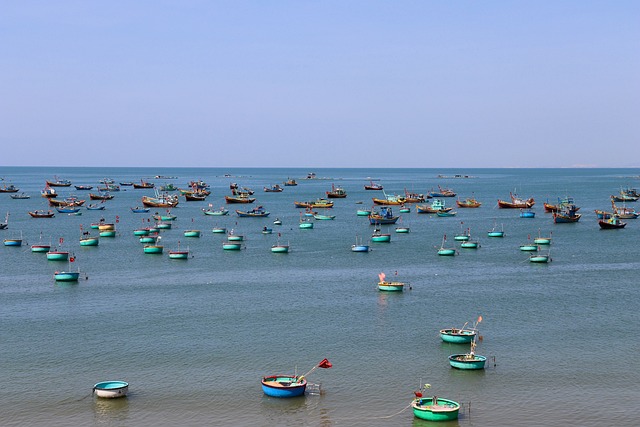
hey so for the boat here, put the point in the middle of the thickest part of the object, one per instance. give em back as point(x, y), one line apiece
point(600, 214)
point(179, 253)
point(20, 196)
point(373, 186)
point(464, 235)
point(59, 182)
point(83, 187)
point(111, 389)
point(87, 240)
point(239, 199)
point(40, 248)
point(495, 232)
point(48, 192)
point(410, 197)
point(142, 231)
point(163, 225)
point(393, 200)
point(71, 201)
point(168, 187)
point(5, 224)
point(9, 189)
point(383, 216)
point(516, 202)
point(564, 203)
point(359, 246)
point(379, 237)
point(153, 249)
point(280, 248)
point(66, 276)
point(442, 192)
point(290, 182)
point(470, 244)
point(437, 205)
point(232, 236)
point(612, 223)
point(107, 181)
point(161, 200)
point(468, 361)
point(469, 202)
point(434, 408)
point(540, 257)
point(394, 286)
point(363, 212)
point(149, 238)
point(318, 203)
point(266, 230)
point(195, 197)
point(623, 212)
point(215, 212)
point(324, 217)
point(191, 233)
point(277, 221)
point(58, 256)
point(219, 230)
point(168, 217)
point(67, 209)
point(42, 214)
point(257, 212)
point(143, 184)
point(460, 335)
point(624, 197)
point(109, 187)
point(101, 196)
point(138, 209)
point(527, 213)
point(402, 230)
point(529, 247)
point(305, 223)
point(13, 241)
point(444, 251)
point(289, 385)
point(567, 216)
point(95, 207)
point(446, 213)
point(336, 192)
point(105, 226)
point(231, 246)
point(275, 188)
point(541, 240)
point(404, 209)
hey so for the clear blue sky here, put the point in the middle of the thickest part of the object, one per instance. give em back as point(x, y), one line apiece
point(320, 83)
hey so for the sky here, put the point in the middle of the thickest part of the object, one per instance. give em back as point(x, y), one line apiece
point(426, 83)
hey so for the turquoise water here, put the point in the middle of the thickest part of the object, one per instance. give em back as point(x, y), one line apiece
point(194, 337)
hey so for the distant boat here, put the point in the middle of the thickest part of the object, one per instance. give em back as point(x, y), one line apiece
point(540, 257)
point(458, 336)
point(289, 385)
point(442, 192)
point(275, 188)
point(446, 213)
point(435, 408)
point(143, 184)
point(612, 223)
point(516, 202)
point(9, 189)
point(13, 241)
point(163, 200)
point(20, 196)
point(527, 213)
point(66, 276)
point(336, 192)
point(437, 205)
point(324, 217)
point(67, 209)
point(359, 246)
point(191, 233)
point(58, 255)
point(219, 230)
point(111, 389)
point(232, 246)
point(469, 202)
point(95, 207)
point(373, 186)
point(42, 214)
point(305, 223)
point(444, 251)
point(393, 286)
point(216, 212)
point(383, 216)
point(495, 232)
point(566, 216)
point(83, 187)
point(280, 248)
point(363, 212)
point(101, 196)
point(257, 212)
point(542, 240)
point(5, 224)
point(239, 199)
point(153, 249)
point(59, 183)
point(389, 200)
point(379, 237)
point(179, 253)
point(88, 240)
point(290, 182)
point(138, 209)
point(468, 361)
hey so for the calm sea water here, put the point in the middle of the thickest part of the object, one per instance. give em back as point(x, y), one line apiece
point(194, 337)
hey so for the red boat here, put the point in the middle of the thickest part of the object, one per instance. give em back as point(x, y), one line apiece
point(516, 203)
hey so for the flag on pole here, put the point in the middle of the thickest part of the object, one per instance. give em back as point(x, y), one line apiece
point(479, 319)
point(325, 364)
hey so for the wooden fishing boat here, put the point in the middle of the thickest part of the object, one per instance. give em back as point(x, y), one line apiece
point(410, 197)
point(289, 385)
point(42, 214)
point(57, 255)
point(101, 196)
point(67, 209)
point(363, 212)
point(469, 202)
point(280, 248)
point(564, 203)
point(83, 187)
point(142, 231)
point(153, 249)
point(495, 232)
point(232, 246)
point(625, 196)
point(403, 230)
point(359, 246)
point(468, 361)
point(150, 238)
point(87, 240)
point(191, 233)
point(444, 214)
point(215, 212)
point(20, 196)
point(138, 209)
point(541, 240)
point(373, 186)
point(568, 216)
point(322, 217)
point(168, 217)
point(178, 254)
point(108, 188)
point(336, 192)
point(383, 216)
point(305, 223)
point(464, 235)
point(9, 189)
point(470, 244)
point(239, 199)
point(318, 203)
point(40, 248)
point(379, 237)
point(393, 286)
point(404, 209)
point(161, 201)
point(195, 197)
point(163, 225)
point(232, 236)
point(600, 214)
point(13, 242)
point(612, 223)
point(516, 202)
point(442, 192)
point(444, 251)
point(219, 230)
point(435, 408)
point(107, 233)
point(290, 182)
point(59, 182)
point(529, 247)
point(437, 205)
point(95, 207)
point(275, 188)
point(389, 200)
point(540, 257)
point(459, 335)
point(111, 389)
point(143, 184)
point(48, 192)
point(5, 224)
point(623, 212)
point(257, 212)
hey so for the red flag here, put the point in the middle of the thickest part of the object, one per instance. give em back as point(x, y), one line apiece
point(61, 240)
point(418, 394)
point(325, 364)
point(72, 259)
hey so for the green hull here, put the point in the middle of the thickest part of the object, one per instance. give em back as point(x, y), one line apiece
point(57, 256)
point(539, 259)
point(542, 241)
point(495, 234)
point(141, 232)
point(391, 286)
point(108, 233)
point(469, 245)
point(219, 230)
point(529, 248)
point(446, 252)
point(91, 241)
point(444, 410)
point(192, 233)
point(179, 255)
point(228, 246)
point(40, 248)
point(402, 230)
point(153, 249)
point(148, 239)
point(306, 225)
point(381, 239)
point(280, 249)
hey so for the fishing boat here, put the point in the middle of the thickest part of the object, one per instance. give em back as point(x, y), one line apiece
point(495, 232)
point(305, 223)
point(404, 209)
point(138, 209)
point(563, 203)
point(623, 212)
point(153, 249)
point(5, 224)
point(434, 408)
point(107, 233)
point(468, 361)
point(56, 255)
point(289, 385)
point(542, 240)
point(109, 187)
point(59, 182)
point(20, 196)
point(179, 253)
point(242, 198)
point(88, 240)
point(386, 286)
point(163, 200)
point(402, 229)
point(257, 212)
point(9, 188)
point(374, 186)
point(393, 200)
point(383, 216)
point(527, 213)
point(469, 202)
point(336, 192)
point(470, 244)
point(142, 231)
point(95, 207)
point(290, 182)
point(363, 212)
point(83, 187)
point(266, 230)
point(612, 223)
point(215, 212)
point(441, 192)
point(48, 192)
point(13, 241)
point(444, 214)
point(410, 197)
point(149, 238)
point(163, 225)
point(540, 257)
point(464, 235)
point(232, 246)
point(40, 248)
point(191, 233)
point(280, 248)
point(379, 237)
point(277, 221)
point(516, 202)
point(66, 276)
point(195, 197)
point(444, 251)
point(42, 214)
point(600, 214)
point(318, 203)
point(322, 217)
point(275, 188)
point(437, 205)
point(359, 246)
point(232, 236)
point(168, 217)
point(111, 389)
point(101, 196)
point(104, 226)
point(67, 209)
point(460, 335)
point(143, 184)
point(624, 197)
point(567, 216)
point(219, 230)
point(529, 247)
point(168, 187)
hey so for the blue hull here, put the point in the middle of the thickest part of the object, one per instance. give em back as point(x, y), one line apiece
point(281, 389)
point(476, 363)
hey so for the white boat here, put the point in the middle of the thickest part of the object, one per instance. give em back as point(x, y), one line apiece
point(111, 389)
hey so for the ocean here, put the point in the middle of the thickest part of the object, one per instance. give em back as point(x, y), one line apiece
point(194, 337)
